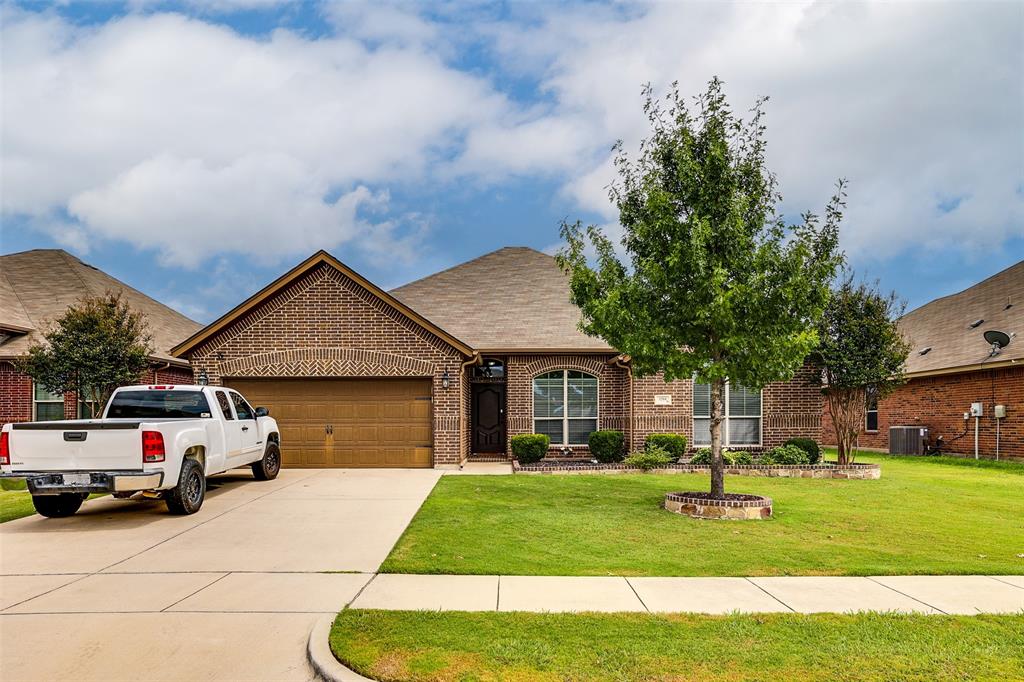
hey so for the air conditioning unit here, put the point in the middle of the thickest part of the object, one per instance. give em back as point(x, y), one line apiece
point(908, 440)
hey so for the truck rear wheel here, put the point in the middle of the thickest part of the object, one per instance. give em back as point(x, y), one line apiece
point(57, 506)
point(187, 497)
point(267, 468)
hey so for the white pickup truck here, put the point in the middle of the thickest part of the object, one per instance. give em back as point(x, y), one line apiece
point(160, 441)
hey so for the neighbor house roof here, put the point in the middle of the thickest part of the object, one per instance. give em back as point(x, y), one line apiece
point(513, 299)
point(37, 286)
point(946, 326)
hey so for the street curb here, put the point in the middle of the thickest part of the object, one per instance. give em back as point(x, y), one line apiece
point(320, 656)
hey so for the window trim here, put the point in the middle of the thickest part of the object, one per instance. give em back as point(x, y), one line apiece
point(565, 418)
point(727, 441)
point(867, 411)
point(35, 403)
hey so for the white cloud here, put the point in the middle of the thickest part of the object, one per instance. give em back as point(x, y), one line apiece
point(186, 137)
point(183, 136)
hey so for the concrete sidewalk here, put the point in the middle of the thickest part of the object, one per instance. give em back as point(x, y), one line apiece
point(908, 594)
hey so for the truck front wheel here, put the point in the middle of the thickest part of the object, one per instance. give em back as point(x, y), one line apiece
point(267, 468)
point(57, 506)
point(187, 497)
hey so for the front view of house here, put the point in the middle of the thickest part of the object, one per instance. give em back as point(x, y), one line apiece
point(452, 365)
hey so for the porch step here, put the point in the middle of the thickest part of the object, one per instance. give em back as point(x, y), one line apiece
point(473, 457)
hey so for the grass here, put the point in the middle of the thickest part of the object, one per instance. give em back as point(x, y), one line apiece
point(924, 516)
point(421, 645)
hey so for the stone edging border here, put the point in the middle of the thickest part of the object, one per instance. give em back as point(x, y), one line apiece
point(826, 470)
point(708, 502)
point(321, 658)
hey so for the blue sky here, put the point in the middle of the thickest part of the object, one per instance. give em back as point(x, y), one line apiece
point(196, 150)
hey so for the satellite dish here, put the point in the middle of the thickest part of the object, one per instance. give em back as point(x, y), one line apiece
point(997, 339)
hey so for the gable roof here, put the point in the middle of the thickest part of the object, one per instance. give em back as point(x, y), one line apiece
point(513, 299)
point(318, 258)
point(37, 286)
point(944, 326)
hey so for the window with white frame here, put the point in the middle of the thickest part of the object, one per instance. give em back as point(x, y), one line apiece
point(46, 406)
point(565, 406)
point(742, 424)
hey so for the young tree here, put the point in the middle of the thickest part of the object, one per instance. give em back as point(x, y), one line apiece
point(860, 351)
point(99, 343)
point(717, 286)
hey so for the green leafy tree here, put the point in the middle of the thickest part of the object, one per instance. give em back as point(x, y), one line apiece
point(861, 352)
point(98, 344)
point(716, 285)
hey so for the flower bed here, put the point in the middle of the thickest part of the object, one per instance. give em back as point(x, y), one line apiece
point(735, 506)
point(823, 470)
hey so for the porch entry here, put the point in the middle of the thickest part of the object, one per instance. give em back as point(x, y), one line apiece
point(488, 408)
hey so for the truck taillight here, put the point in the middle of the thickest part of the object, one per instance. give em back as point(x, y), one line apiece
point(5, 447)
point(152, 446)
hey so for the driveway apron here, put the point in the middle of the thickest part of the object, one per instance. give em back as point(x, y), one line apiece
point(123, 590)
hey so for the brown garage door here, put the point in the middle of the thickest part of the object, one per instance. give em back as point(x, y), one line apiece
point(347, 422)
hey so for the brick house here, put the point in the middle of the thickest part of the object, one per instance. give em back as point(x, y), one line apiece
point(452, 366)
point(951, 366)
point(36, 287)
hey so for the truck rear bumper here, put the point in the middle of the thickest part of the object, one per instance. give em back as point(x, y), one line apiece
point(48, 483)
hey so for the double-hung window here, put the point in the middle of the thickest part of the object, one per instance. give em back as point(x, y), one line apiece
point(871, 410)
point(47, 406)
point(565, 406)
point(742, 424)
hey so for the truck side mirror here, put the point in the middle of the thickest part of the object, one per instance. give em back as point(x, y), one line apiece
point(262, 412)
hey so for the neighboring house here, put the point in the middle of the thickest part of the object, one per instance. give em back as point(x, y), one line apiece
point(36, 288)
point(951, 366)
point(454, 365)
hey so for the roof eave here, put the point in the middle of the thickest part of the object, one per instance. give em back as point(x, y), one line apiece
point(962, 369)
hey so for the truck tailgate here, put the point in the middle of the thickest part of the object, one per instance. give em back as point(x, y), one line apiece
point(76, 446)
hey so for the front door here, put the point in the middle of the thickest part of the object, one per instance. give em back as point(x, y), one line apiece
point(489, 417)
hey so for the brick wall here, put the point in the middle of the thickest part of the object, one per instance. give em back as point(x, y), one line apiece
point(939, 402)
point(612, 390)
point(325, 325)
point(789, 409)
point(16, 391)
point(15, 395)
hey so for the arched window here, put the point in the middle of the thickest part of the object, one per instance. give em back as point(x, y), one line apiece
point(565, 406)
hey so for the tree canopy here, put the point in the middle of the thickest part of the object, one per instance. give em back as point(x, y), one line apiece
point(98, 344)
point(712, 282)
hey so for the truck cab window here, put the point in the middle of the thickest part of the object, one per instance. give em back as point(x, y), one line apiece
point(242, 407)
point(225, 406)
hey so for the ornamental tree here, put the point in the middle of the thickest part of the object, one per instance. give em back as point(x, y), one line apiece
point(861, 352)
point(98, 344)
point(713, 285)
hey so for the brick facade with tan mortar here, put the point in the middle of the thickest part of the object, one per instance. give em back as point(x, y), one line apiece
point(16, 395)
point(939, 402)
point(326, 325)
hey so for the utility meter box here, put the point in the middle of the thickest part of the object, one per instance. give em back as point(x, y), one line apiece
point(999, 412)
point(976, 410)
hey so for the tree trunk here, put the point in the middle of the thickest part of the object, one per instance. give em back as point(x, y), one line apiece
point(717, 416)
point(847, 406)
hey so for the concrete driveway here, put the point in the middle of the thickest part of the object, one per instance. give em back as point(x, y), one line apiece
point(125, 591)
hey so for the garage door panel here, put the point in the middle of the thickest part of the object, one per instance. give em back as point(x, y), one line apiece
point(375, 422)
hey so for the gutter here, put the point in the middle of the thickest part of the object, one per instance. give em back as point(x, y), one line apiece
point(621, 362)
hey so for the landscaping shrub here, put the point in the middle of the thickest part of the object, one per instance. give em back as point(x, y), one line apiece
point(651, 457)
point(703, 457)
point(672, 443)
point(808, 445)
point(785, 454)
point(607, 446)
point(530, 447)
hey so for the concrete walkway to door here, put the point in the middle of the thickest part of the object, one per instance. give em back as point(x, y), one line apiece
point(124, 591)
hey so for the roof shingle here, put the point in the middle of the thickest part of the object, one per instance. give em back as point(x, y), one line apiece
point(944, 324)
point(37, 286)
point(514, 299)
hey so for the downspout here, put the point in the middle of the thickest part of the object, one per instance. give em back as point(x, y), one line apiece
point(475, 360)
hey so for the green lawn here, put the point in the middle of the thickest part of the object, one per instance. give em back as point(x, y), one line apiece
point(405, 645)
point(925, 515)
point(15, 502)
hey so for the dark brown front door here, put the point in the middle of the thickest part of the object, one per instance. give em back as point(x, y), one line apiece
point(488, 417)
